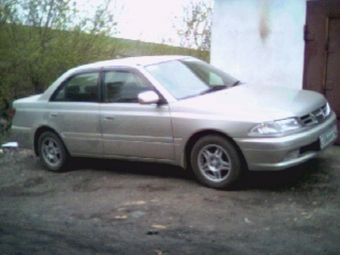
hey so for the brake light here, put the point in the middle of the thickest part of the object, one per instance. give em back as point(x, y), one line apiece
point(11, 113)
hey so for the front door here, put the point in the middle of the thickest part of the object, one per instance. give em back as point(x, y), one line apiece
point(130, 129)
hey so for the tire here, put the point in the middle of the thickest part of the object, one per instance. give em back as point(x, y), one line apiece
point(216, 162)
point(52, 152)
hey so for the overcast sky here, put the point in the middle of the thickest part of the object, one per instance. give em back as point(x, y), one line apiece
point(146, 20)
point(149, 19)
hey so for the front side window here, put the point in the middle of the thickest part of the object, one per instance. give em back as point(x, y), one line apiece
point(79, 88)
point(123, 86)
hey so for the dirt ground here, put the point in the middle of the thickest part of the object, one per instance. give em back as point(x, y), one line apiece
point(116, 207)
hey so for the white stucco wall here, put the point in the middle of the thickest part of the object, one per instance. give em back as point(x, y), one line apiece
point(260, 41)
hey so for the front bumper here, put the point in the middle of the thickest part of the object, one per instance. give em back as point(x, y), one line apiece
point(283, 152)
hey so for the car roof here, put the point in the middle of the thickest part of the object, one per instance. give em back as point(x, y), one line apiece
point(131, 61)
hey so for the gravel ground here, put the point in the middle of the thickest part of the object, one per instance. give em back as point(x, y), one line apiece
point(116, 207)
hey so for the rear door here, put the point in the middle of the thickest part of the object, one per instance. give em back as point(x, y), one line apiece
point(130, 129)
point(74, 113)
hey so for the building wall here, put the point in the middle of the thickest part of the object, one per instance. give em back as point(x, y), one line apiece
point(260, 41)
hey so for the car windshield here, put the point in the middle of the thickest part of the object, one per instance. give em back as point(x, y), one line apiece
point(190, 77)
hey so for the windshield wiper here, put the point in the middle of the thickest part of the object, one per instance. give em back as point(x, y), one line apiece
point(213, 88)
point(236, 83)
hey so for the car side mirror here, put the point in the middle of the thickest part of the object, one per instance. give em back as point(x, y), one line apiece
point(148, 97)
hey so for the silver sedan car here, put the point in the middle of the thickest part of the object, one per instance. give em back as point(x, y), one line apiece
point(177, 110)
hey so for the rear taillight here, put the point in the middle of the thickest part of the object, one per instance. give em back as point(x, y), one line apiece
point(11, 113)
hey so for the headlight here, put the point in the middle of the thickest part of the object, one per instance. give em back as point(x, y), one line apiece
point(275, 127)
point(327, 110)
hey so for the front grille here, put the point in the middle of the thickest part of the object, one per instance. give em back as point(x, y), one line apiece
point(315, 116)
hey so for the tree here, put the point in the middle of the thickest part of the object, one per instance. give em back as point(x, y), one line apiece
point(194, 26)
point(5, 10)
point(40, 39)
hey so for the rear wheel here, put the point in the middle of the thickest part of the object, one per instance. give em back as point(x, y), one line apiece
point(52, 151)
point(216, 162)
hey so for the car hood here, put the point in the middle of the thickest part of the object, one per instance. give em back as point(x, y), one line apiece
point(255, 103)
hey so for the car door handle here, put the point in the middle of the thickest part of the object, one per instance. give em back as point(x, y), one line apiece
point(53, 115)
point(109, 117)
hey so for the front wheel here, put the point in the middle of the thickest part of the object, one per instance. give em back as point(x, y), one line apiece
point(52, 151)
point(216, 162)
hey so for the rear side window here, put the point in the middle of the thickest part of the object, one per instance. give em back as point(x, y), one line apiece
point(79, 88)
